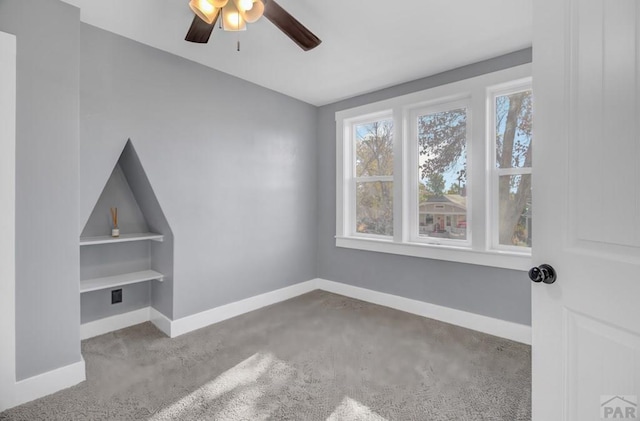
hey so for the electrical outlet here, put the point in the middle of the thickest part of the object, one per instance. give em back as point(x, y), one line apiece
point(116, 296)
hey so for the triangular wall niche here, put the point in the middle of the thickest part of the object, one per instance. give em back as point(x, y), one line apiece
point(140, 261)
point(116, 193)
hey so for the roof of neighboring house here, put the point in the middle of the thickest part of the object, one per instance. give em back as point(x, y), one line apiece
point(454, 199)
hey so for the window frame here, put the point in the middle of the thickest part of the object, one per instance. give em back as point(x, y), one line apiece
point(350, 178)
point(493, 92)
point(354, 179)
point(414, 159)
point(479, 249)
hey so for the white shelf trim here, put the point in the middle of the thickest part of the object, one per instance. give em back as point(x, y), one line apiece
point(124, 238)
point(119, 280)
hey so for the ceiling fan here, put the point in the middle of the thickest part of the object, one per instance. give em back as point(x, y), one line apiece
point(237, 13)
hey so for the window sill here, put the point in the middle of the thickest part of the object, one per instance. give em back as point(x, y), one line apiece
point(499, 259)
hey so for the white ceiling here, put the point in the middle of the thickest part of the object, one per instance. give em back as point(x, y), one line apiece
point(366, 44)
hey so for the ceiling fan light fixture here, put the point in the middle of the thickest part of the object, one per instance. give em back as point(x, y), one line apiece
point(244, 5)
point(252, 15)
point(205, 10)
point(236, 14)
point(232, 19)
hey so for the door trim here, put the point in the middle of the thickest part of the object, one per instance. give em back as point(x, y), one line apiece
point(7, 218)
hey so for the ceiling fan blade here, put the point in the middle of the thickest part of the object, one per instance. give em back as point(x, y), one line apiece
point(290, 26)
point(200, 31)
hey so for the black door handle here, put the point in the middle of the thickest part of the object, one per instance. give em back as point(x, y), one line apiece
point(543, 273)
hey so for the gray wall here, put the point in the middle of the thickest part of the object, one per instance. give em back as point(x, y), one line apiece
point(47, 257)
point(499, 293)
point(233, 166)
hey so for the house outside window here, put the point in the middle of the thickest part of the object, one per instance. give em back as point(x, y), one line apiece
point(443, 173)
point(438, 137)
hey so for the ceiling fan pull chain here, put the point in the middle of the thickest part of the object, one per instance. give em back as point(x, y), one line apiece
point(238, 27)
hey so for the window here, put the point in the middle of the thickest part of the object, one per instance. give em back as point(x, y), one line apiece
point(373, 180)
point(443, 173)
point(440, 143)
point(512, 124)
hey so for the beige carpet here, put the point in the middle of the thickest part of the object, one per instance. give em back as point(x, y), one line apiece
point(319, 356)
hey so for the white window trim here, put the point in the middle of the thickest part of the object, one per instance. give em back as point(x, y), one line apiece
point(479, 251)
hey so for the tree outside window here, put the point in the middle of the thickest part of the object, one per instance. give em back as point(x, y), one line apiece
point(442, 162)
point(374, 177)
point(513, 120)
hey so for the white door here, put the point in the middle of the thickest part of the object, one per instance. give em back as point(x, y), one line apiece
point(586, 326)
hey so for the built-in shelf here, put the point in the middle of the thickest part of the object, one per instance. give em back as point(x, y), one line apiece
point(124, 238)
point(119, 280)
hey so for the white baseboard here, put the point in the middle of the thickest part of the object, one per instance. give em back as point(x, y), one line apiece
point(121, 321)
point(215, 315)
point(497, 327)
point(161, 321)
point(117, 322)
point(43, 384)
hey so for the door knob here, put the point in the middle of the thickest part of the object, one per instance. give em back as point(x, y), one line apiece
point(543, 273)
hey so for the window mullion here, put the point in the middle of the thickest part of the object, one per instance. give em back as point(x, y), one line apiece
point(410, 163)
point(369, 179)
point(343, 158)
point(478, 170)
point(399, 178)
point(513, 171)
